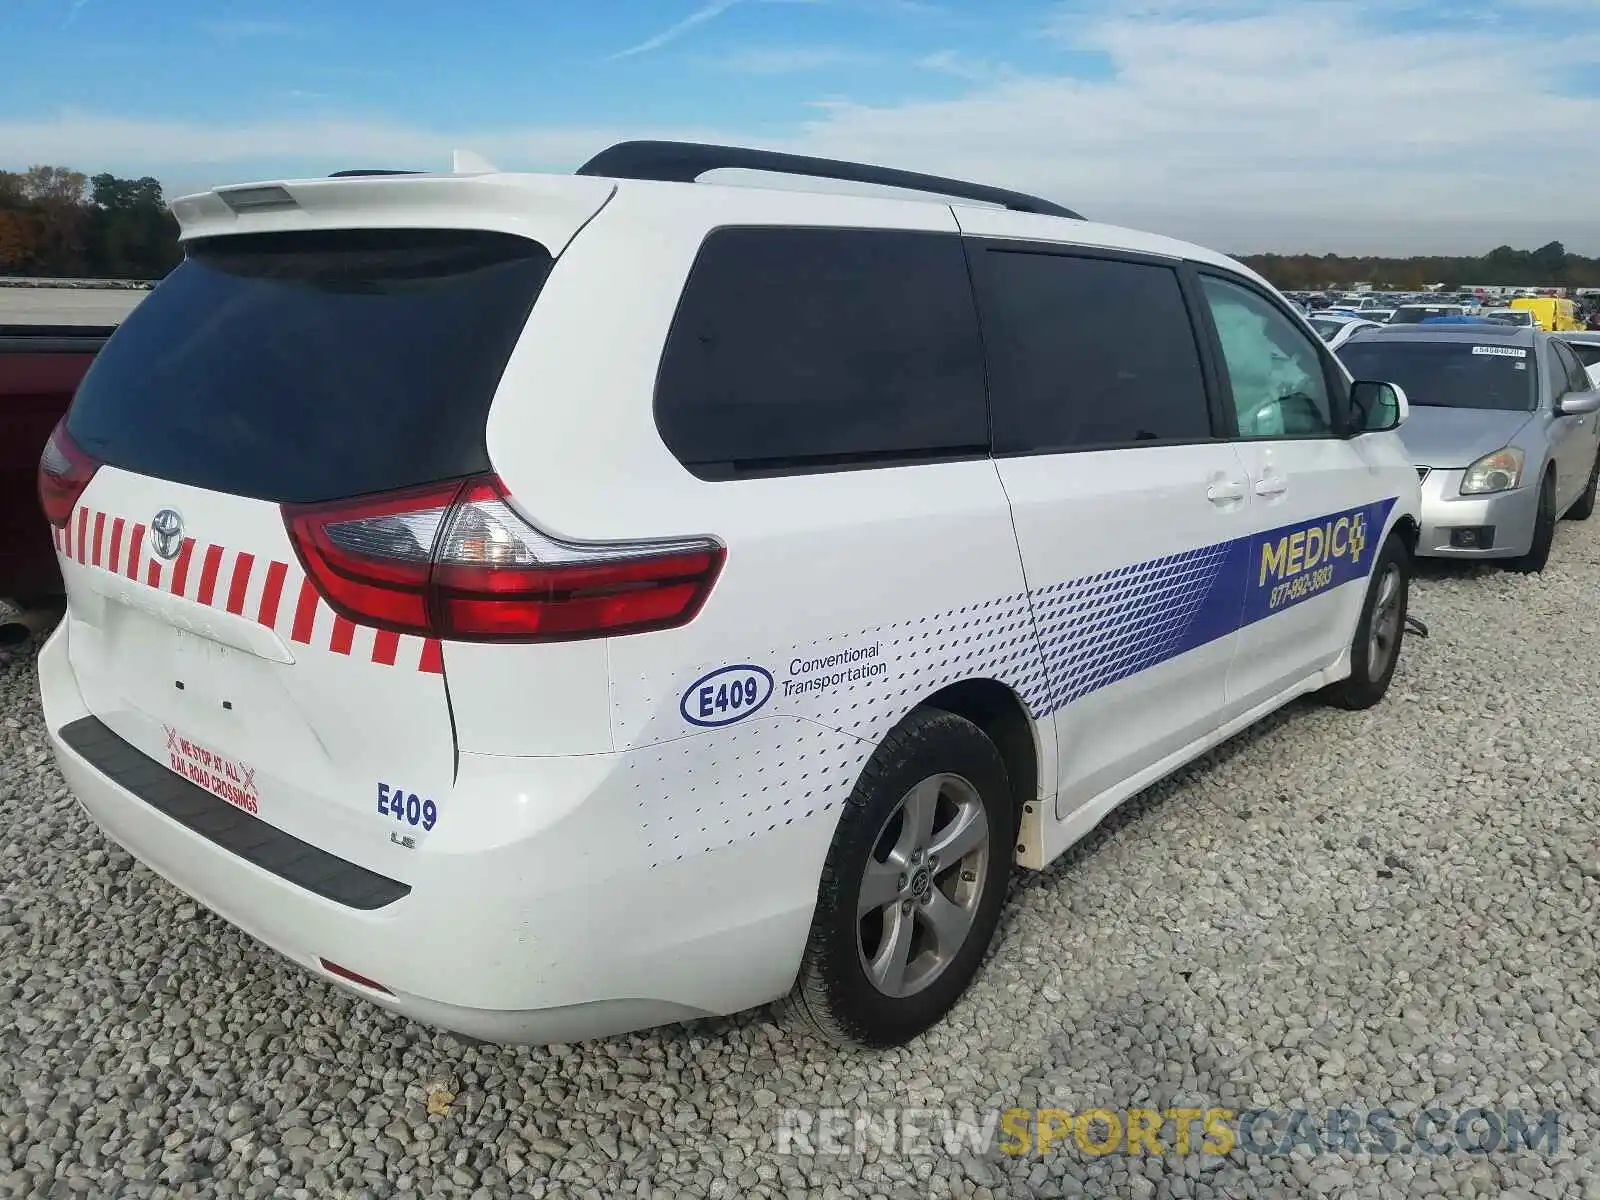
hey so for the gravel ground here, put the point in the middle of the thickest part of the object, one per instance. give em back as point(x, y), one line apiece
point(1380, 909)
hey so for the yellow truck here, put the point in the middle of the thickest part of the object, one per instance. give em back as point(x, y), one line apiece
point(1552, 312)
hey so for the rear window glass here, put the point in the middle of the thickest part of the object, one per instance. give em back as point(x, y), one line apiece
point(802, 349)
point(1448, 374)
point(314, 365)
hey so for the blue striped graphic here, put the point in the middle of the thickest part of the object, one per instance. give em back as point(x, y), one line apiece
point(1098, 629)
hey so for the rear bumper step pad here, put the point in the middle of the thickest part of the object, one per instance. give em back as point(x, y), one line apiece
point(236, 831)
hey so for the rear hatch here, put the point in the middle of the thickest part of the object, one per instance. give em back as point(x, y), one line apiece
point(275, 379)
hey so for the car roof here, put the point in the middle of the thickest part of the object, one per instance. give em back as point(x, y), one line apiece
point(1510, 335)
point(368, 199)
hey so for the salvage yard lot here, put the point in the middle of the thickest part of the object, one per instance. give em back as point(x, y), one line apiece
point(1377, 909)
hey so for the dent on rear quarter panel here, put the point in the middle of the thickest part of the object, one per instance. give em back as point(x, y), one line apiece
point(530, 700)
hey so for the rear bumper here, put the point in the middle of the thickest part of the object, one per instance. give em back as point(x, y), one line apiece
point(1509, 515)
point(560, 936)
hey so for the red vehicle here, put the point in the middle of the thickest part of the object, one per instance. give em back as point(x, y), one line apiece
point(40, 366)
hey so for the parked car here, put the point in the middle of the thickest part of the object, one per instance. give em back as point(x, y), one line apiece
point(1503, 432)
point(1585, 344)
point(1414, 314)
point(1336, 328)
point(40, 367)
point(1513, 316)
point(549, 606)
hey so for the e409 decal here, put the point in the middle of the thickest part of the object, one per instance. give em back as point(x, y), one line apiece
point(726, 695)
point(405, 807)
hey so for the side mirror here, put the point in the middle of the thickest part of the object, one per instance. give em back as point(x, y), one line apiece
point(1377, 407)
point(1578, 404)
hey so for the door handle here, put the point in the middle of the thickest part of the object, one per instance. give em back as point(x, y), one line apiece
point(1273, 485)
point(1226, 491)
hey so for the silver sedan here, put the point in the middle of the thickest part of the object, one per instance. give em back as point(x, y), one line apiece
point(1502, 430)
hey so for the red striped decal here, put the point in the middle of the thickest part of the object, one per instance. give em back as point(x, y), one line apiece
point(180, 569)
point(241, 582)
point(384, 647)
point(152, 576)
point(83, 531)
point(99, 535)
point(209, 566)
point(432, 657)
point(135, 544)
point(344, 633)
point(305, 613)
point(116, 545)
point(66, 538)
point(271, 594)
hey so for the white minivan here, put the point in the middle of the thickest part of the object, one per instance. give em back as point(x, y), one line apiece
point(550, 606)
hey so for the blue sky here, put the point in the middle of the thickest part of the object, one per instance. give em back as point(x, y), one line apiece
point(1387, 125)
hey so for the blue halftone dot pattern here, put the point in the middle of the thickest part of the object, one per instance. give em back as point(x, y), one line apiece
point(1102, 628)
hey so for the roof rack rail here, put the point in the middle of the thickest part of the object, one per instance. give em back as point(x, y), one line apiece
point(370, 171)
point(685, 162)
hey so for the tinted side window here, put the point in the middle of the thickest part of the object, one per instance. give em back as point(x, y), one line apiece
point(1087, 352)
point(804, 348)
point(1572, 367)
point(1280, 388)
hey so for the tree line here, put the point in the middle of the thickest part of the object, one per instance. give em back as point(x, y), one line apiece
point(59, 223)
point(1548, 266)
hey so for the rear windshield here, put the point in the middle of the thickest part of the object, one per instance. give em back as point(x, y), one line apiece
point(1513, 317)
point(315, 365)
point(1448, 374)
point(1327, 329)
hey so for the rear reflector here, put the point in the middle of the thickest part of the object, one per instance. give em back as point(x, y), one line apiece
point(333, 968)
point(456, 561)
point(64, 472)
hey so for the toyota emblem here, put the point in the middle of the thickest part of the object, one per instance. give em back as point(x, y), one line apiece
point(166, 533)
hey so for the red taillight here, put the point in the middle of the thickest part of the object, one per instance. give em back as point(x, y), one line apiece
point(456, 561)
point(64, 471)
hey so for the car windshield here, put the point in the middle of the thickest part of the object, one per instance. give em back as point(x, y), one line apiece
point(1327, 329)
point(1514, 317)
point(1448, 374)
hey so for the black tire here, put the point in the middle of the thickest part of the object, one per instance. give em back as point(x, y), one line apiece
point(1583, 508)
point(834, 995)
point(1368, 681)
point(1544, 531)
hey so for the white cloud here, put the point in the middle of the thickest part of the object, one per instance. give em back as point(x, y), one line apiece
point(952, 62)
point(706, 12)
point(1295, 127)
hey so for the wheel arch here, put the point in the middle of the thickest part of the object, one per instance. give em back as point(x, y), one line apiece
point(997, 710)
point(1410, 532)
